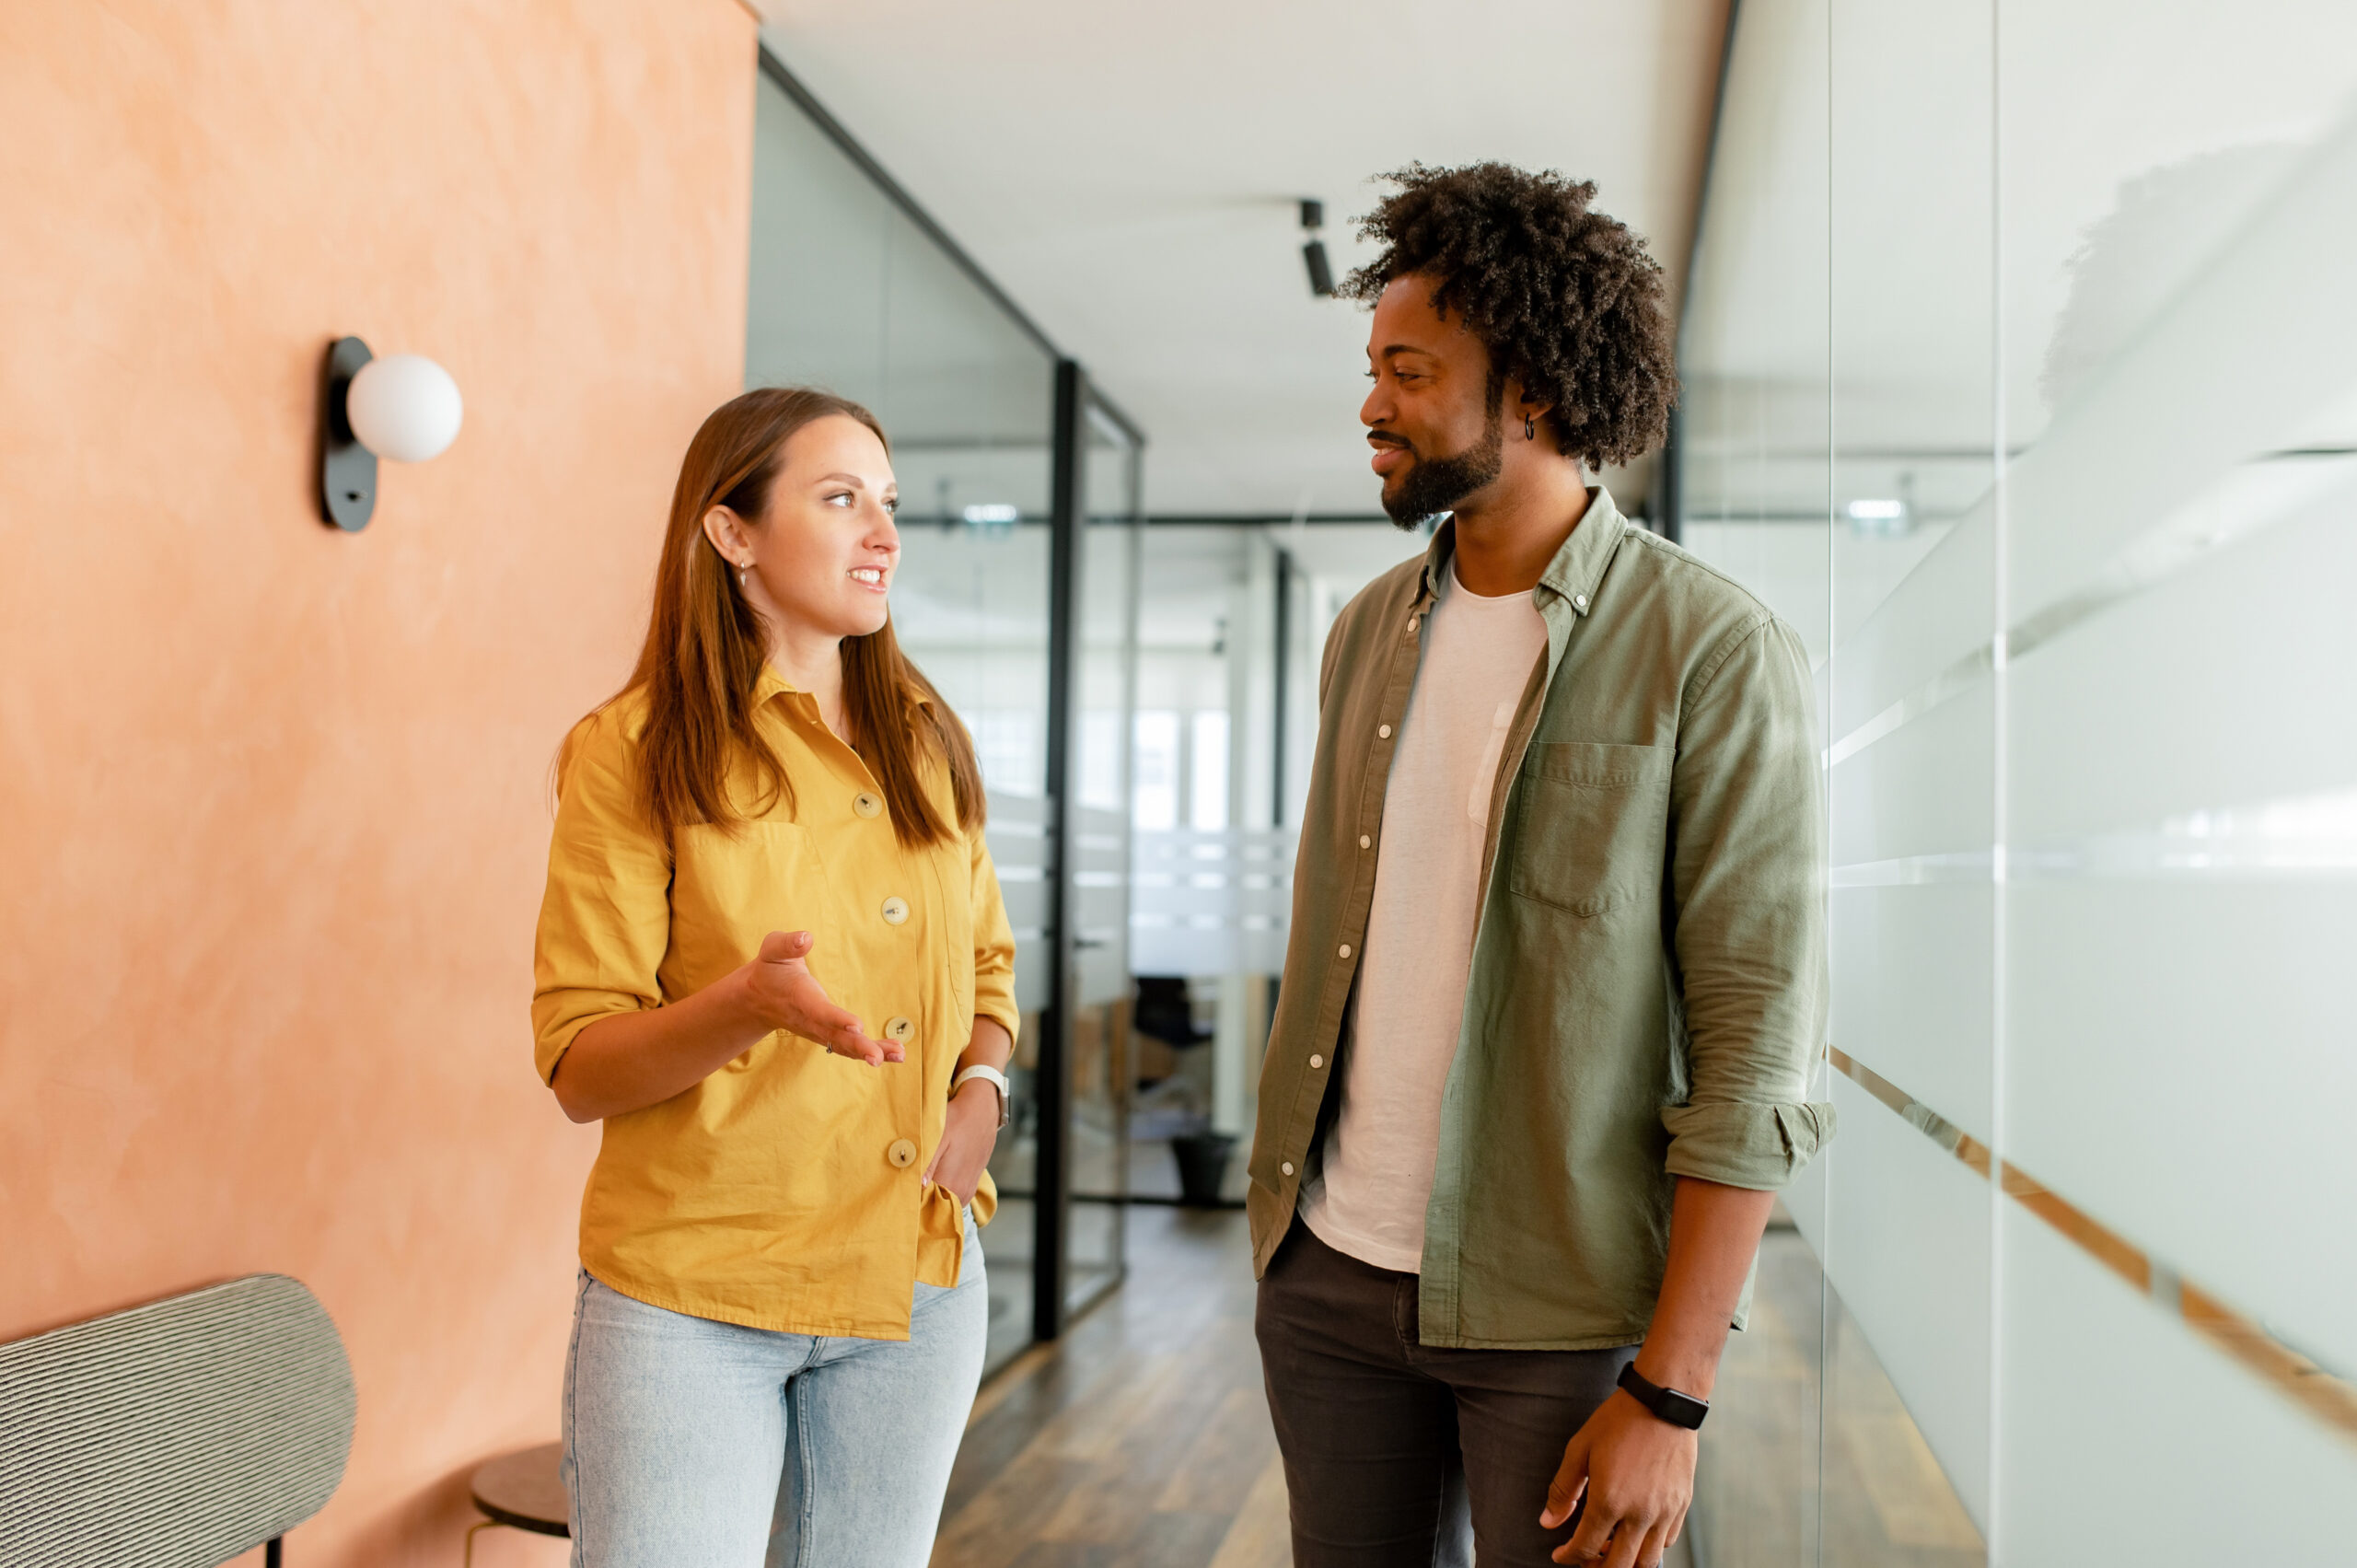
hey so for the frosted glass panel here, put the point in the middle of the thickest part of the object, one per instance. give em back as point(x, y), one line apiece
point(2072, 544)
point(1786, 564)
point(1757, 1475)
point(2127, 1440)
point(2180, 361)
point(1920, 793)
point(1913, 962)
point(2210, 701)
point(1907, 1247)
point(2178, 1066)
point(1924, 641)
point(1887, 1502)
point(1756, 439)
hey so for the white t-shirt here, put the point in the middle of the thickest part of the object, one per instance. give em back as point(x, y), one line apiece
point(1478, 653)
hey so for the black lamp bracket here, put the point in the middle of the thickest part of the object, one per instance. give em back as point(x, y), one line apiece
point(347, 468)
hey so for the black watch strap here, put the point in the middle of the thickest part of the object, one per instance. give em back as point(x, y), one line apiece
point(1678, 1410)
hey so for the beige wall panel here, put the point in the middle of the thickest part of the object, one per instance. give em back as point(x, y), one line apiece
point(273, 812)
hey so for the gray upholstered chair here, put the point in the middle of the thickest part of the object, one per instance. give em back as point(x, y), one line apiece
point(177, 1435)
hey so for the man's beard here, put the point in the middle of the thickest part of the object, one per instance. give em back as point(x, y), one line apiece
point(1433, 485)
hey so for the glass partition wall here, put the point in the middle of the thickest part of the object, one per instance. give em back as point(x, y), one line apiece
point(1104, 683)
point(1016, 595)
point(2021, 371)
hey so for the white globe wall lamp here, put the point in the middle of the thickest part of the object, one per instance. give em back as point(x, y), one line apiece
point(403, 407)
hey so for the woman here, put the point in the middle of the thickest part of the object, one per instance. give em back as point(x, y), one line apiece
point(773, 960)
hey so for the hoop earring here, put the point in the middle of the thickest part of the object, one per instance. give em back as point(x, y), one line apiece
point(1529, 428)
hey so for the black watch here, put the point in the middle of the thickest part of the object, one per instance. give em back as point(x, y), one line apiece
point(1678, 1410)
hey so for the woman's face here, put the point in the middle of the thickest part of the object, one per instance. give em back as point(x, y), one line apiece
point(824, 553)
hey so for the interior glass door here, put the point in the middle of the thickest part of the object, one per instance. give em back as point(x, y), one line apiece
point(1097, 896)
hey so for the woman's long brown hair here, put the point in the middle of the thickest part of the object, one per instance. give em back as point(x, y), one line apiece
point(707, 644)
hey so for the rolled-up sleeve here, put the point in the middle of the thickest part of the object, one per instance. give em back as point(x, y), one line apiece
point(605, 919)
point(994, 943)
point(1746, 870)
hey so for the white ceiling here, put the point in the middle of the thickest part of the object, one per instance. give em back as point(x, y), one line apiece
point(1129, 175)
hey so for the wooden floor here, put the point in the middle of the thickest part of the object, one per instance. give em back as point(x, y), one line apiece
point(1809, 1457)
point(1141, 1438)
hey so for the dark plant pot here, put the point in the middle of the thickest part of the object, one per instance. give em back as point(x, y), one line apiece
point(1202, 1167)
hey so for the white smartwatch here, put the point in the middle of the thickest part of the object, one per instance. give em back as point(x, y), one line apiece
point(996, 1080)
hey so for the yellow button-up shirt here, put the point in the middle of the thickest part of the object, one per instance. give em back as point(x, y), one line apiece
point(786, 1190)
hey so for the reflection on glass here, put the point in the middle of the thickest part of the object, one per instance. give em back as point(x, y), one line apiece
point(1801, 1388)
point(1887, 1503)
point(1754, 1486)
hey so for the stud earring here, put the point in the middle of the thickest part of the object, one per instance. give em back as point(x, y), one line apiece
point(1529, 428)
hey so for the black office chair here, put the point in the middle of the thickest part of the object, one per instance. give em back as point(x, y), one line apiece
point(1164, 1011)
point(177, 1435)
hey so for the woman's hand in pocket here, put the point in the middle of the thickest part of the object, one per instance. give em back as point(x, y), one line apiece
point(784, 995)
point(967, 1141)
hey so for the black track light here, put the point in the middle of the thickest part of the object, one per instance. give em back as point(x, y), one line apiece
point(1313, 255)
point(1321, 276)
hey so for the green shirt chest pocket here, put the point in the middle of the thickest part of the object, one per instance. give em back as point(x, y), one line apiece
point(1590, 825)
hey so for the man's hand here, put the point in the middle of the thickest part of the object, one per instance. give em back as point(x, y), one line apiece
point(966, 1140)
point(1636, 1469)
point(1637, 1472)
point(782, 994)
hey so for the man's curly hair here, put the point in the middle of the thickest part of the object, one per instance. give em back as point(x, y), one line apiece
point(1565, 300)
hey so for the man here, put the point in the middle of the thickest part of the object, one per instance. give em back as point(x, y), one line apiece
point(1556, 976)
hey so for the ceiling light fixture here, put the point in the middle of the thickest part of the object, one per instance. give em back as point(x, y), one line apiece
point(1321, 274)
point(1880, 516)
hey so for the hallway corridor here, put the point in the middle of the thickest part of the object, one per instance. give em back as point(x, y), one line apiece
point(1141, 1438)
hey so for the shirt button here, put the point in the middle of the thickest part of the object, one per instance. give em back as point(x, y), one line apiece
point(1286, 1167)
point(1366, 843)
point(1344, 950)
point(1383, 732)
point(1579, 601)
point(899, 1028)
point(1315, 1062)
point(866, 805)
point(895, 910)
point(902, 1153)
point(1412, 623)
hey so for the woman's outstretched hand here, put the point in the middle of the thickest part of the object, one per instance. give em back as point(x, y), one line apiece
point(785, 994)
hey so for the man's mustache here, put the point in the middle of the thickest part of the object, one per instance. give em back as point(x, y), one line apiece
point(1384, 439)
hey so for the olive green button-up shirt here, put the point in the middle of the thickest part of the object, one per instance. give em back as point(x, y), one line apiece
point(1647, 991)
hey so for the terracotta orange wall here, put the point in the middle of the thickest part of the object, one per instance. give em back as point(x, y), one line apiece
point(273, 808)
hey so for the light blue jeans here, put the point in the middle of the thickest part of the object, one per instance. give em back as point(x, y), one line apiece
point(689, 1441)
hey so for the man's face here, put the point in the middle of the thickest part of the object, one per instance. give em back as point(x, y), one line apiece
point(1435, 426)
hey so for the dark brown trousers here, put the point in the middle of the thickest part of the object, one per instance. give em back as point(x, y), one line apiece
point(1401, 1456)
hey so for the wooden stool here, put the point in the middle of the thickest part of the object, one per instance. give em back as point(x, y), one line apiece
point(523, 1491)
